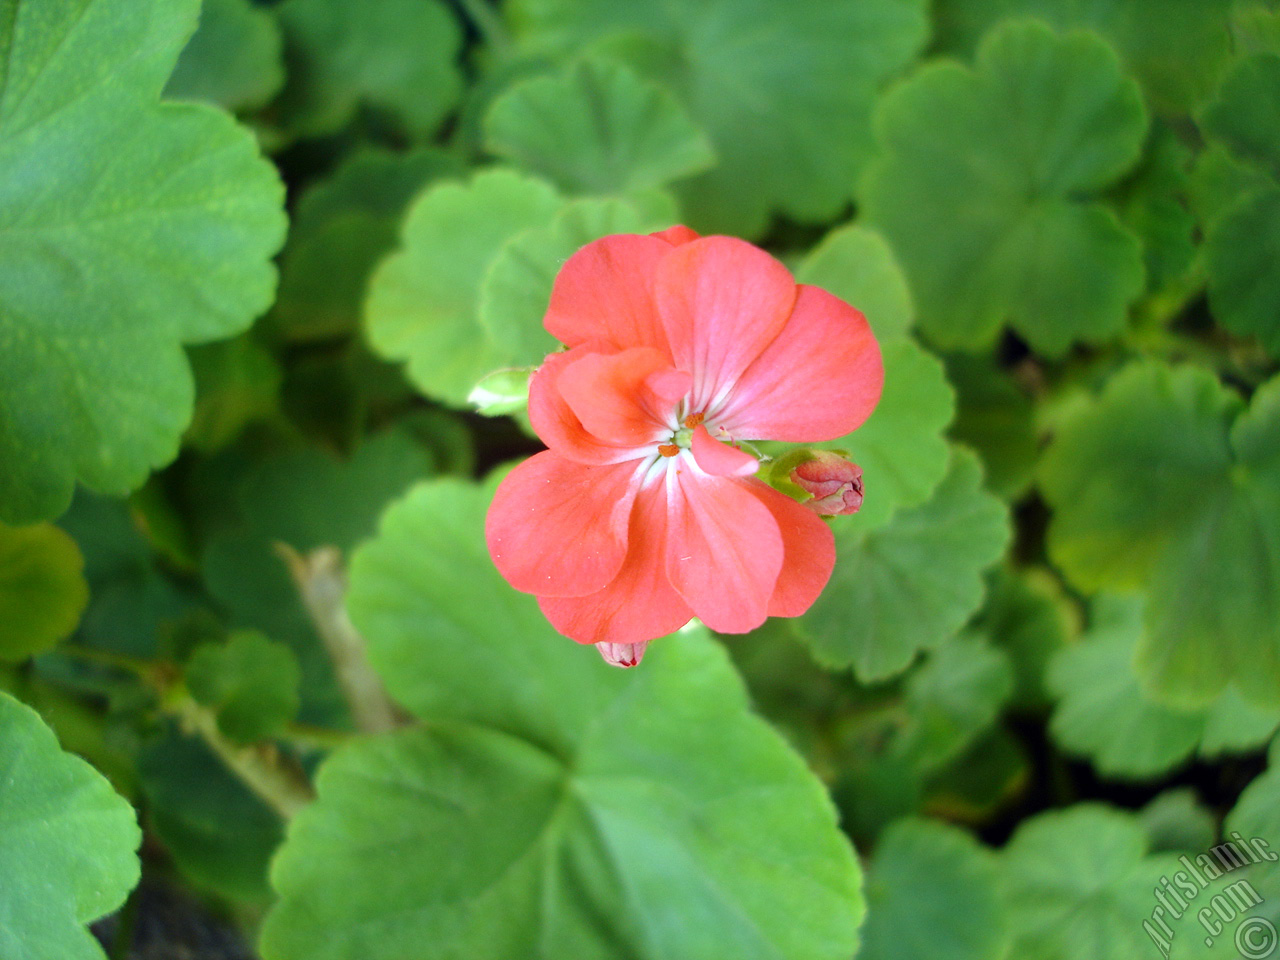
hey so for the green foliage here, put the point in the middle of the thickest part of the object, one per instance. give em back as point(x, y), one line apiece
point(783, 91)
point(394, 57)
point(608, 818)
point(596, 128)
point(1200, 535)
point(986, 187)
point(141, 226)
point(857, 265)
point(42, 589)
point(67, 843)
point(250, 683)
point(235, 59)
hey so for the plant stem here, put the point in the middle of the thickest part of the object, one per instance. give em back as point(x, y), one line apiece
point(322, 583)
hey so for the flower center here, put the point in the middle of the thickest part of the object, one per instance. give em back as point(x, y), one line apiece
point(682, 439)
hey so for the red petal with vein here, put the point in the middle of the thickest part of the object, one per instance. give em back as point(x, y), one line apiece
point(720, 459)
point(611, 397)
point(724, 551)
point(558, 528)
point(809, 552)
point(722, 302)
point(818, 380)
point(639, 603)
point(605, 292)
point(557, 425)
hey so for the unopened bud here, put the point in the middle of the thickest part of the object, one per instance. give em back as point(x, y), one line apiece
point(834, 482)
point(622, 654)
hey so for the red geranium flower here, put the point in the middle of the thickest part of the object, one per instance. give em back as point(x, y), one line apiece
point(643, 513)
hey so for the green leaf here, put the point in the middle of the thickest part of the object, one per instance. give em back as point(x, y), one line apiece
point(1244, 280)
point(568, 809)
point(250, 683)
point(1104, 714)
point(396, 57)
point(933, 894)
point(909, 583)
point(1029, 616)
point(220, 835)
point(1201, 534)
point(1078, 883)
point(1152, 202)
point(237, 382)
point(783, 90)
point(996, 417)
point(42, 589)
point(1245, 113)
point(857, 265)
point(341, 228)
point(986, 187)
point(235, 59)
point(67, 843)
point(502, 392)
point(517, 286)
point(1177, 48)
point(595, 127)
point(1176, 820)
point(128, 228)
point(424, 300)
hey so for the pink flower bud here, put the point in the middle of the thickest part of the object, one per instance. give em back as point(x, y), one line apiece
point(622, 654)
point(834, 482)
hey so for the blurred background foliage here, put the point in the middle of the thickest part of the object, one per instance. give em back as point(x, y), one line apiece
point(1048, 662)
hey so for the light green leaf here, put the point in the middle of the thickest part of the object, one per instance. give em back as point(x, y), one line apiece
point(424, 300)
point(1201, 534)
point(1078, 883)
point(341, 228)
point(1177, 48)
point(985, 185)
point(220, 835)
point(127, 228)
point(397, 57)
point(783, 90)
point(595, 127)
point(932, 894)
point(42, 589)
point(1104, 714)
point(235, 59)
point(1176, 820)
point(561, 808)
point(67, 843)
point(517, 287)
point(857, 265)
point(502, 392)
point(237, 382)
point(249, 682)
point(909, 583)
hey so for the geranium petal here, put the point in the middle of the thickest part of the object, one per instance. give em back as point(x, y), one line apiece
point(819, 379)
point(559, 528)
point(720, 459)
point(809, 552)
point(639, 603)
point(677, 235)
point(612, 399)
point(724, 549)
point(722, 302)
point(605, 292)
point(557, 425)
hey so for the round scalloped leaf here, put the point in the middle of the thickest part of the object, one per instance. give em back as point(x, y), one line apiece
point(341, 229)
point(857, 265)
point(1078, 884)
point(1244, 268)
point(152, 225)
point(986, 187)
point(995, 417)
point(517, 287)
point(249, 682)
point(1178, 820)
point(1030, 617)
point(596, 127)
point(67, 844)
point(1103, 713)
point(1245, 114)
point(424, 300)
point(557, 807)
point(1201, 534)
point(235, 59)
point(237, 383)
point(932, 894)
point(783, 90)
point(42, 589)
point(909, 583)
point(1177, 48)
point(397, 57)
